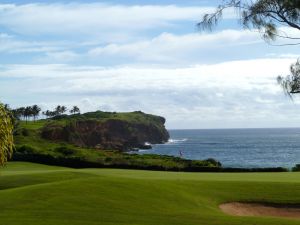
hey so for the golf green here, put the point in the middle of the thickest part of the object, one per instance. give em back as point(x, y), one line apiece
point(38, 194)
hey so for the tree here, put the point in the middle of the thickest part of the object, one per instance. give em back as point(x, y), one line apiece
point(35, 111)
point(63, 109)
point(57, 110)
point(291, 83)
point(75, 110)
point(47, 113)
point(6, 135)
point(265, 16)
point(28, 112)
point(20, 112)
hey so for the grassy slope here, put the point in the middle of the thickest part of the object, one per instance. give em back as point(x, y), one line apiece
point(126, 116)
point(38, 194)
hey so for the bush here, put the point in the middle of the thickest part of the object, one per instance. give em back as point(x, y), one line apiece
point(244, 170)
point(296, 168)
point(213, 162)
point(25, 132)
point(65, 150)
point(26, 149)
point(71, 157)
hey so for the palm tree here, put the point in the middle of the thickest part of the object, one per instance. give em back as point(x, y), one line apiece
point(60, 110)
point(57, 110)
point(63, 109)
point(28, 112)
point(35, 111)
point(6, 135)
point(47, 113)
point(52, 113)
point(21, 112)
point(75, 110)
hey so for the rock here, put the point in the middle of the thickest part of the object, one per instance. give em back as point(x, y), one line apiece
point(110, 133)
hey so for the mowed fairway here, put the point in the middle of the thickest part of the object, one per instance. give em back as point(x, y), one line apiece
point(38, 194)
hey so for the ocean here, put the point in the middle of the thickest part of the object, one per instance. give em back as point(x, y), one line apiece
point(246, 148)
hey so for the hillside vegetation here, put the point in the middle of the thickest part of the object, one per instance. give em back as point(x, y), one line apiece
point(102, 139)
point(98, 139)
point(34, 194)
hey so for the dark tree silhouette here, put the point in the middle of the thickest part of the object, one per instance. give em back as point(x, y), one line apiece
point(63, 109)
point(35, 111)
point(47, 113)
point(27, 113)
point(59, 110)
point(75, 110)
point(291, 83)
point(21, 112)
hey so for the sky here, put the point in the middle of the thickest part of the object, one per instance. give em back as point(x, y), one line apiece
point(144, 55)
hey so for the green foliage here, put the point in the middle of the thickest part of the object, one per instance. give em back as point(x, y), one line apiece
point(67, 155)
point(65, 150)
point(25, 132)
point(296, 168)
point(27, 112)
point(26, 149)
point(119, 131)
point(33, 148)
point(133, 117)
point(6, 135)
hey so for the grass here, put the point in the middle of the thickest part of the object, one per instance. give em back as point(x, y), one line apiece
point(136, 116)
point(38, 194)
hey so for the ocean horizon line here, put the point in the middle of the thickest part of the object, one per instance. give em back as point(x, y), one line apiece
point(234, 128)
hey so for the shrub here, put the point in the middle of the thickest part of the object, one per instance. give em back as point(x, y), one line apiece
point(25, 132)
point(26, 149)
point(296, 168)
point(108, 159)
point(65, 150)
point(213, 162)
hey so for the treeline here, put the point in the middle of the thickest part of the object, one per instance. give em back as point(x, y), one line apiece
point(26, 113)
point(33, 112)
point(60, 110)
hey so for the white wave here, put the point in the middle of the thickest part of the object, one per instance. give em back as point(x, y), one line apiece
point(175, 141)
point(143, 150)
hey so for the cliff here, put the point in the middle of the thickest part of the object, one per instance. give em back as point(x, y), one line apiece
point(103, 130)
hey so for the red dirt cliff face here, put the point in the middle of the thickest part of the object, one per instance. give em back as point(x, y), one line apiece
point(110, 134)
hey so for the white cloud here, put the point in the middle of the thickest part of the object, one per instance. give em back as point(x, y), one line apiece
point(14, 45)
point(166, 49)
point(154, 68)
point(183, 49)
point(94, 18)
point(59, 56)
point(230, 94)
point(283, 55)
